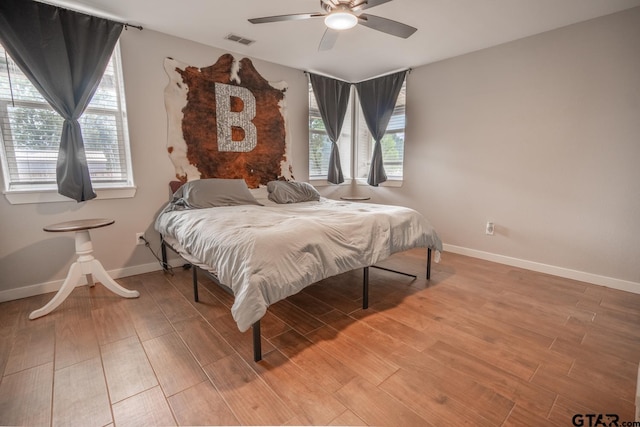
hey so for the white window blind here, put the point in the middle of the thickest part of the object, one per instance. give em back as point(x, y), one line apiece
point(30, 131)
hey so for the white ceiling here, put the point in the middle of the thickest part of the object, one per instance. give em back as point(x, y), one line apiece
point(446, 28)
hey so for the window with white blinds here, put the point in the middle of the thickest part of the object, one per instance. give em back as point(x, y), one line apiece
point(30, 131)
point(392, 143)
point(356, 162)
point(320, 144)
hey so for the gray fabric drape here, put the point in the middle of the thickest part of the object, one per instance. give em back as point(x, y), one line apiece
point(378, 98)
point(332, 97)
point(64, 54)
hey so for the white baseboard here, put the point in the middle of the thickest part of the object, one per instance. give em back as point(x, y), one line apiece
point(55, 285)
point(567, 273)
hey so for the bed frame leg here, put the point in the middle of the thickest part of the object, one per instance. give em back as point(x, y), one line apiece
point(428, 263)
point(257, 344)
point(163, 248)
point(365, 288)
point(195, 282)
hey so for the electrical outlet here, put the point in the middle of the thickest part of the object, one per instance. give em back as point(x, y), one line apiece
point(140, 239)
point(489, 229)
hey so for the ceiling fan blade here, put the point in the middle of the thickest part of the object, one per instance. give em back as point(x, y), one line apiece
point(328, 39)
point(279, 18)
point(329, 3)
point(385, 25)
point(367, 4)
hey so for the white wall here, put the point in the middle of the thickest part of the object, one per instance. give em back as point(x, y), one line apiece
point(540, 136)
point(33, 261)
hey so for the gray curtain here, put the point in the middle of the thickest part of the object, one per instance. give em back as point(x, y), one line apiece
point(64, 54)
point(377, 99)
point(332, 97)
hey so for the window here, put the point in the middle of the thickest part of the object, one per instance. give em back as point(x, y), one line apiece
point(392, 142)
point(320, 144)
point(354, 123)
point(30, 133)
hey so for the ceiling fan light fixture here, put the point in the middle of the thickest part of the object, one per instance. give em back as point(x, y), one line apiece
point(341, 20)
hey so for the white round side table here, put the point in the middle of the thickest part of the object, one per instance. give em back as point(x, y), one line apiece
point(86, 264)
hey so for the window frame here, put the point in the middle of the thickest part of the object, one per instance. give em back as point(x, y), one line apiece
point(34, 192)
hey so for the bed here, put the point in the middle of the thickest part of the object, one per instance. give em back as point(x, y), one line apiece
point(267, 245)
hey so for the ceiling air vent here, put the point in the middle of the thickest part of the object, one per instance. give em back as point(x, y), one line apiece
point(238, 39)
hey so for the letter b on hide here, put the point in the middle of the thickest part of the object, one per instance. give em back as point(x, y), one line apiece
point(228, 119)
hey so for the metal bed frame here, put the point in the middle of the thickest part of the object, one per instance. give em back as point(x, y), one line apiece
point(257, 344)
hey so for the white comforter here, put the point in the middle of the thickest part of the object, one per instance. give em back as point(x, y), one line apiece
point(266, 253)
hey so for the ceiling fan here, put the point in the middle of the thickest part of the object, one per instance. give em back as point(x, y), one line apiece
point(344, 14)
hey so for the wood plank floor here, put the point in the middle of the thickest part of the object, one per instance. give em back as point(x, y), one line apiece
point(480, 344)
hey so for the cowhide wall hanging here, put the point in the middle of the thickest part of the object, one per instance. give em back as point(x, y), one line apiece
point(226, 121)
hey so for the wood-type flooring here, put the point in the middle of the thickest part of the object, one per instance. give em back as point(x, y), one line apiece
point(481, 344)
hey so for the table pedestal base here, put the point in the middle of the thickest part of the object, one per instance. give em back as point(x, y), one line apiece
point(89, 266)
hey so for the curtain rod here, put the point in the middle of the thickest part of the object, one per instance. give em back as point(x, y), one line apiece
point(323, 75)
point(408, 70)
point(127, 25)
point(91, 13)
